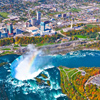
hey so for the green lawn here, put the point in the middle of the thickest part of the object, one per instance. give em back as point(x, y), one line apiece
point(75, 10)
point(90, 26)
point(67, 70)
point(4, 14)
point(61, 68)
point(64, 73)
point(6, 49)
point(7, 52)
point(24, 45)
point(80, 36)
point(15, 48)
point(54, 13)
point(16, 45)
point(72, 72)
point(44, 44)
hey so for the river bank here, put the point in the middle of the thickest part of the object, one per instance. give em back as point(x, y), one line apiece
point(62, 48)
point(64, 51)
point(55, 50)
point(10, 53)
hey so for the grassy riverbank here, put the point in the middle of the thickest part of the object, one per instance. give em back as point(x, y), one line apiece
point(8, 53)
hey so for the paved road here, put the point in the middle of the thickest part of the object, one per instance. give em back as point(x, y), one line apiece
point(60, 44)
point(61, 33)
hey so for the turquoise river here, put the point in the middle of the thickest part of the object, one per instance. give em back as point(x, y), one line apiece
point(17, 82)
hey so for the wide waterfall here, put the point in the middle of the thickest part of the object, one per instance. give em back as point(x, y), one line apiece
point(27, 67)
point(30, 64)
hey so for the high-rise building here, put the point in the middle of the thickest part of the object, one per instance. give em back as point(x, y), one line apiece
point(72, 20)
point(39, 17)
point(33, 21)
point(42, 26)
point(10, 29)
point(71, 24)
point(63, 15)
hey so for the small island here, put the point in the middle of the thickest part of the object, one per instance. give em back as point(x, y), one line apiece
point(41, 81)
point(80, 83)
point(3, 63)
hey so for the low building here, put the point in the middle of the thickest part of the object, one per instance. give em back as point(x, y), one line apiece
point(11, 18)
point(53, 9)
point(19, 31)
point(83, 73)
point(33, 21)
point(4, 35)
point(92, 20)
point(32, 29)
point(48, 32)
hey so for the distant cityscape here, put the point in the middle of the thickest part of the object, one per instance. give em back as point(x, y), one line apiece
point(44, 19)
point(34, 26)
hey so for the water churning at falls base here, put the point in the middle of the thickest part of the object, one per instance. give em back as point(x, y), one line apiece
point(30, 64)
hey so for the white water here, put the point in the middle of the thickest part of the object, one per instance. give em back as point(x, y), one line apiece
point(25, 68)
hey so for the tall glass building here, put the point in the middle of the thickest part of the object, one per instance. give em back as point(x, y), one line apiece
point(42, 26)
point(10, 29)
point(38, 17)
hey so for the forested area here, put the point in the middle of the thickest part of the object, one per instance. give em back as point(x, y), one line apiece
point(6, 41)
point(89, 32)
point(94, 45)
point(68, 87)
point(36, 40)
point(74, 86)
point(29, 40)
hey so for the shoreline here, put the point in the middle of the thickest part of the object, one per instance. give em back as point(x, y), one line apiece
point(9, 54)
point(83, 49)
point(58, 52)
point(92, 49)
